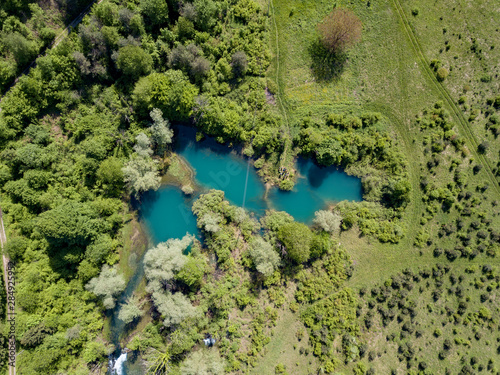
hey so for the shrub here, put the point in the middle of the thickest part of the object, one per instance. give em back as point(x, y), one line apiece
point(483, 147)
point(239, 63)
point(296, 238)
point(435, 64)
point(437, 252)
point(441, 74)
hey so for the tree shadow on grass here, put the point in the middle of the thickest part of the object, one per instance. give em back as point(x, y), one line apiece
point(326, 66)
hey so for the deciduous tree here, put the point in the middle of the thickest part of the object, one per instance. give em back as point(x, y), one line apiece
point(107, 286)
point(163, 261)
point(203, 361)
point(327, 220)
point(130, 311)
point(340, 30)
point(133, 61)
point(160, 131)
point(141, 174)
point(266, 259)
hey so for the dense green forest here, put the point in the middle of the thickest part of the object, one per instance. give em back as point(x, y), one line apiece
point(405, 281)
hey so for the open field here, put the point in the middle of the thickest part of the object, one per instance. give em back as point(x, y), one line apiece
point(389, 72)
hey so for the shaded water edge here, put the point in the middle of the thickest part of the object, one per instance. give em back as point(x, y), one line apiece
point(166, 213)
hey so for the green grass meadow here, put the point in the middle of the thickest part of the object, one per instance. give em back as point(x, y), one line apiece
point(385, 72)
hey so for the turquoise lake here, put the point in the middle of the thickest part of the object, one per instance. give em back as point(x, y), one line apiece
point(167, 212)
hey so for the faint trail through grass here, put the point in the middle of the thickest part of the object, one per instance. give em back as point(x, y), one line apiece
point(278, 80)
point(461, 121)
point(55, 43)
point(416, 207)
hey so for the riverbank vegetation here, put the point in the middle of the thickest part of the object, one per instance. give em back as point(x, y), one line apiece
point(405, 281)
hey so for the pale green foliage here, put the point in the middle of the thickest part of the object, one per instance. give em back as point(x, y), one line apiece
point(167, 258)
point(210, 222)
point(141, 174)
point(266, 259)
point(327, 220)
point(203, 362)
point(130, 310)
point(107, 285)
point(143, 145)
point(187, 189)
point(161, 263)
point(160, 130)
point(240, 215)
point(174, 308)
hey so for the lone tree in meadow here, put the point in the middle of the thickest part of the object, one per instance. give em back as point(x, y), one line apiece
point(340, 30)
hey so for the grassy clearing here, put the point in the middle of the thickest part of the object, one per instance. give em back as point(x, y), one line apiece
point(285, 347)
point(374, 77)
point(428, 319)
point(135, 242)
point(179, 172)
point(388, 72)
point(462, 37)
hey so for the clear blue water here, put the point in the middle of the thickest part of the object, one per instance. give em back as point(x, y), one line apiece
point(216, 167)
point(314, 189)
point(166, 213)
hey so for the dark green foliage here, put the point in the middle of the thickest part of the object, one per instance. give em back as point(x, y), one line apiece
point(23, 49)
point(110, 175)
point(71, 223)
point(397, 194)
point(321, 244)
point(483, 147)
point(15, 248)
point(324, 277)
point(35, 335)
point(155, 12)
point(239, 63)
point(337, 314)
point(133, 61)
point(205, 13)
point(170, 92)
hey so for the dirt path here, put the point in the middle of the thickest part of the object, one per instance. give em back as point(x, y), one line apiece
point(279, 93)
point(56, 42)
point(3, 240)
point(460, 120)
